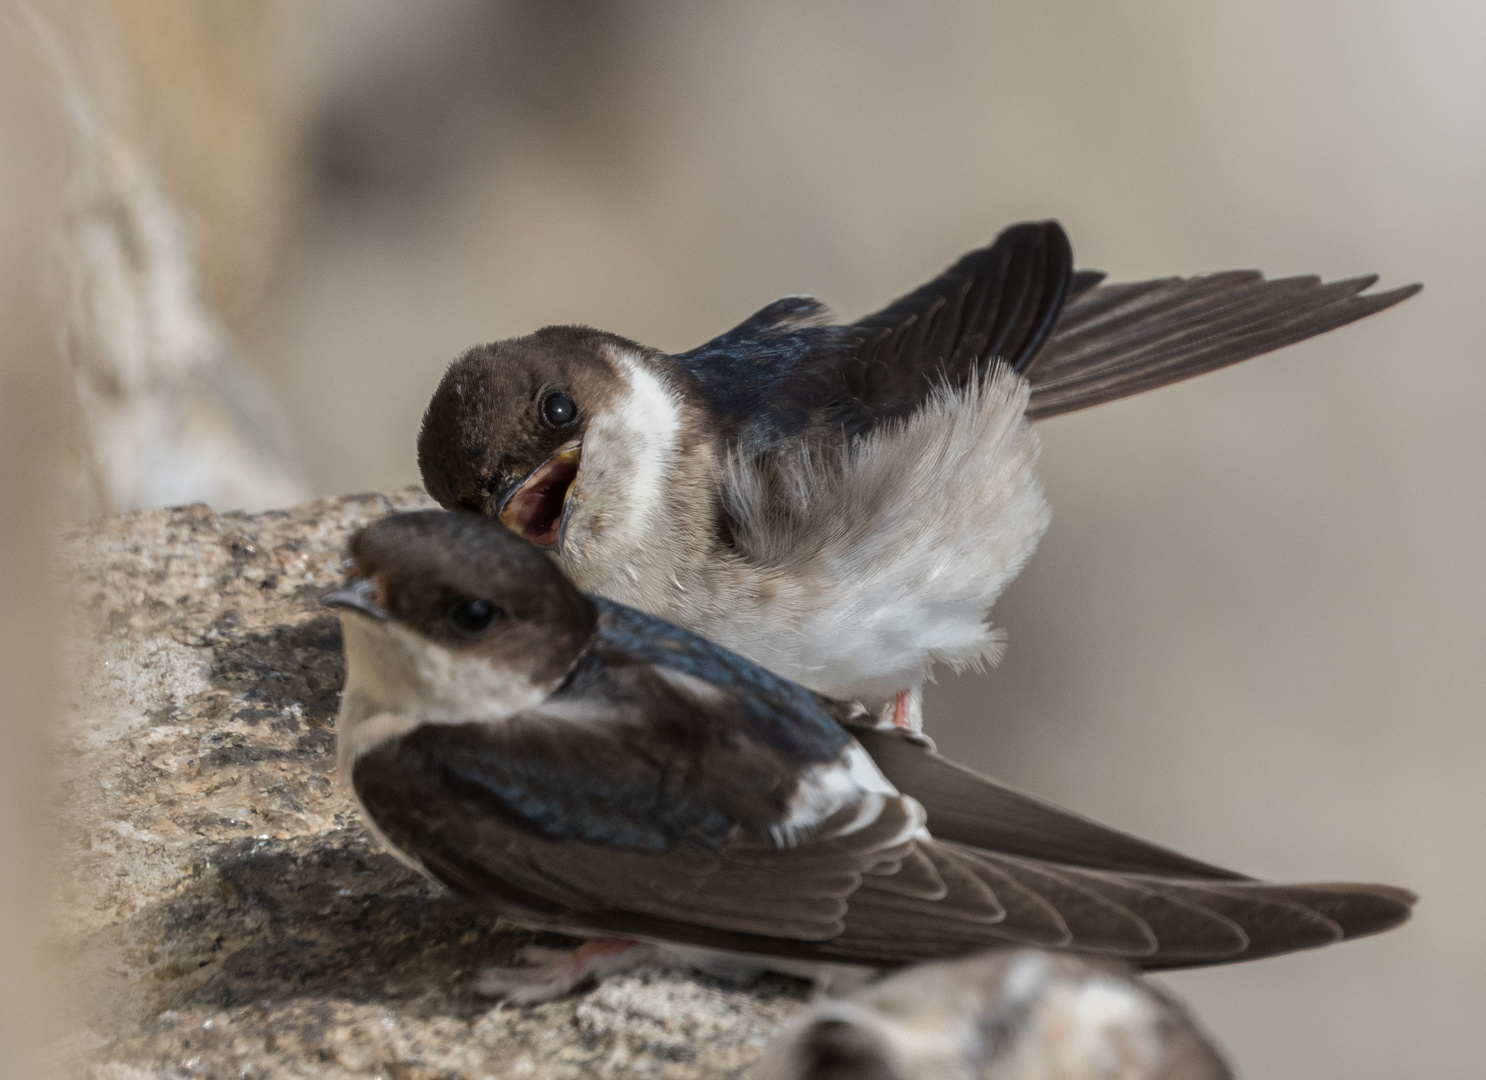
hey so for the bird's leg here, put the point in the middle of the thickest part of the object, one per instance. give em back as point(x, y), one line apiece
point(904, 711)
point(555, 973)
point(908, 710)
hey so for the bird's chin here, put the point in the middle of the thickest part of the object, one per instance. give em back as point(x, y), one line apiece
point(538, 509)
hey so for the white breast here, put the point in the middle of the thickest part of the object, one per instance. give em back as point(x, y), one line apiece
point(397, 679)
point(628, 531)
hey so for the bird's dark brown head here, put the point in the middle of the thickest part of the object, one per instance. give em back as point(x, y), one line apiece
point(503, 434)
point(469, 585)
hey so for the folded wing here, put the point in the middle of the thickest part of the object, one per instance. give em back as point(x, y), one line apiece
point(1149, 920)
point(587, 821)
point(649, 806)
point(970, 809)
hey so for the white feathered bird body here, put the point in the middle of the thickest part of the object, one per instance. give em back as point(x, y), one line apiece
point(854, 569)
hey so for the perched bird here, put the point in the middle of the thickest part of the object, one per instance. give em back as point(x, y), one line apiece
point(840, 503)
point(1010, 1014)
point(588, 768)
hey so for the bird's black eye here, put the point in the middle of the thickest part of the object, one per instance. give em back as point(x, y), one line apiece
point(473, 617)
point(558, 409)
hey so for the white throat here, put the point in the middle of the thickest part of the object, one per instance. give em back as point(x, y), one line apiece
point(626, 536)
point(397, 680)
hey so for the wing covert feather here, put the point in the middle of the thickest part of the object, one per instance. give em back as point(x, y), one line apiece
point(422, 790)
point(867, 883)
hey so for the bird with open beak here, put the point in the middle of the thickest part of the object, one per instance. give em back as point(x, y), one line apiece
point(588, 768)
point(840, 503)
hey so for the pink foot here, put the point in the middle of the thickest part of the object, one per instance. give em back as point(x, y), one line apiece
point(554, 973)
point(908, 711)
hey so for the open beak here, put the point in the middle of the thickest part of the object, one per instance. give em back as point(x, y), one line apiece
point(359, 595)
point(536, 509)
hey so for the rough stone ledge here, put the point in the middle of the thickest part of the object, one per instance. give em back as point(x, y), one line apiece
point(225, 912)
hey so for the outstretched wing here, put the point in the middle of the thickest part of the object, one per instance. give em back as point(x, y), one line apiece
point(1112, 341)
point(997, 304)
point(786, 372)
point(783, 373)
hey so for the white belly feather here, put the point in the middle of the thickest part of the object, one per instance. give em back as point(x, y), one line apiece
point(856, 574)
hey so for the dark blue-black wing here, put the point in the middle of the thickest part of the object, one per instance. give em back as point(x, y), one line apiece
point(1112, 341)
point(782, 375)
point(565, 818)
point(997, 304)
point(637, 803)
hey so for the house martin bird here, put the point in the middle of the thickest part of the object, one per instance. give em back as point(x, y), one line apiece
point(841, 503)
point(588, 768)
point(1006, 1013)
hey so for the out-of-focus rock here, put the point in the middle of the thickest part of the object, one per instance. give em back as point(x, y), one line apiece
point(167, 408)
point(226, 912)
point(168, 411)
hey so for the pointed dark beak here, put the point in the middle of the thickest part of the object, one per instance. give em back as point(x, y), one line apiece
point(359, 595)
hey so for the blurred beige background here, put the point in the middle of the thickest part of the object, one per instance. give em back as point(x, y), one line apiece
point(32, 390)
point(1255, 631)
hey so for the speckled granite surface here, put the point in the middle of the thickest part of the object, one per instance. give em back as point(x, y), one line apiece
point(225, 913)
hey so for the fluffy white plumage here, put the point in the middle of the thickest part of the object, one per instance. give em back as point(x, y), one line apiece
point(868, 567)
point(852, 569)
